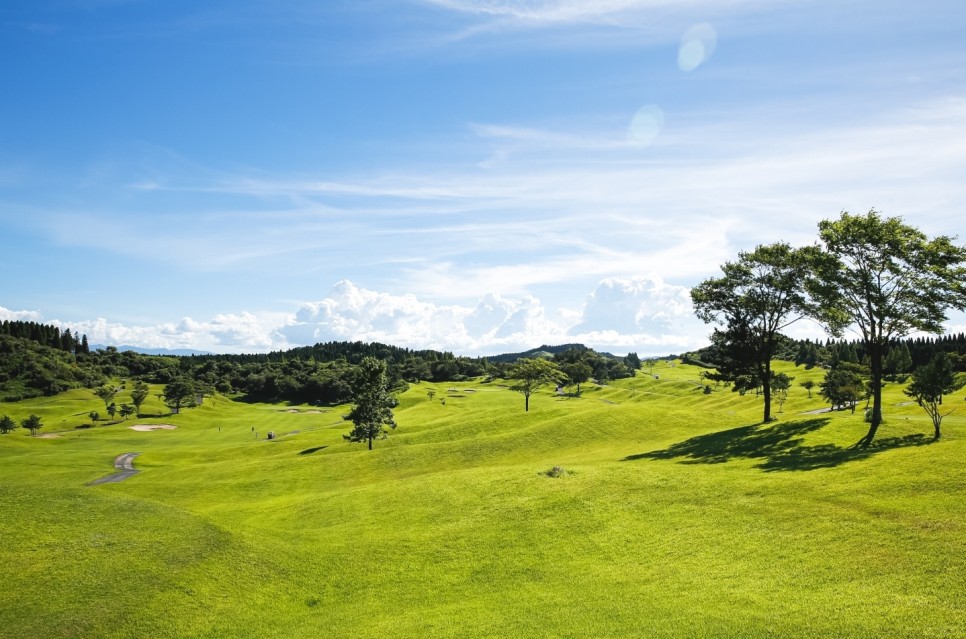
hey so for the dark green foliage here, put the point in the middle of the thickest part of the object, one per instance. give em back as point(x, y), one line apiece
point(756, 297)
point(32, 423)
point(887, 279)
point(930, 383)
point(7, 425)
point(844, 385)
point(528, 375)
point(138, 394)
point(372, 411)
point(179, 393)
point(106, 393)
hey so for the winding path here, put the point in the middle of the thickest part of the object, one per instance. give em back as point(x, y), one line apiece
point(124, 464)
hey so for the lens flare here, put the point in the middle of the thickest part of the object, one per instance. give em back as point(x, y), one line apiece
point(646, 125)
point(697, 45)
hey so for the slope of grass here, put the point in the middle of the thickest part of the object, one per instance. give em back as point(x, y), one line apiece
point(680, 515)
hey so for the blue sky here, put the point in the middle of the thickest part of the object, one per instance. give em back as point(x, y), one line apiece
point(477, 176)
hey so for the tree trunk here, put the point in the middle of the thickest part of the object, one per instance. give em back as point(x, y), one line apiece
point(370, 443)
point(875, 361)
point(526, 403)
point(766, 389)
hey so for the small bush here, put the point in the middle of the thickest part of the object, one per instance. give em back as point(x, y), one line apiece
point(557, 471)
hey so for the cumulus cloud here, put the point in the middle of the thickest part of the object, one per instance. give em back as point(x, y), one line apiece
point(352, 313)
point(643, 312)
point(19, 316)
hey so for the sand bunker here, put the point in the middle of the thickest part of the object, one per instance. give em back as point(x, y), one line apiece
point(48, 436)
point(152, 427)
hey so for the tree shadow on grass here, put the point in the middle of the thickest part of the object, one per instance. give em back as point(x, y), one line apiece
point(779, 446)
point(309, 451)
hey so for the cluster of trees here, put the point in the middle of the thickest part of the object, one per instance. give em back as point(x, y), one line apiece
point(32, 423)
point(878, 276)
point(46, 334)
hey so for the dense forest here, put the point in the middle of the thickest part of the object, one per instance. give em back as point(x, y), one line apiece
point(38, 360)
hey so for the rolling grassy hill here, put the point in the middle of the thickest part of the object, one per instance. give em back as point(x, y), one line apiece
point(679, 515)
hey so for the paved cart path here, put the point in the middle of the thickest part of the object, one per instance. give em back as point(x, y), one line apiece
point(124, 464)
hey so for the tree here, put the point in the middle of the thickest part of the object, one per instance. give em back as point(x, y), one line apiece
point(106, 393)
point(126, 411)
point(757, 297)
point(886, 279)
point(808, 385)
point(94, 415)
point(780, 383)
point(528, 375)
point(930, 382)
point(430, 394)
point(577, 373)
point(32, 424)
point(844, 385)
point(179, 393)
point(373, 403)
point(138, 394)
point(7, 425)
point(112, 410)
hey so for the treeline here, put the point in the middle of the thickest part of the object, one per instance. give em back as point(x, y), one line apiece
point(901, 358)
point(46, 335)
point(39, 360)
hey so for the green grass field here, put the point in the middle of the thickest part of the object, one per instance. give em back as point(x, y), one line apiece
point(679, 516)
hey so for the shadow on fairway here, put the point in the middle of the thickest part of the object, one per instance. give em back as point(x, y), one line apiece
point(778, 446)
point(309, 451)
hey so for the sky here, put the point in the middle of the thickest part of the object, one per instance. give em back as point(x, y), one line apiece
point(473, 176)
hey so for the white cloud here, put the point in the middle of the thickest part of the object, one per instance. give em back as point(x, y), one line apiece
point(19, 316)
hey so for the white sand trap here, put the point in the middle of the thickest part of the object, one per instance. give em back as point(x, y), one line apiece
point(292, 410)
point(48, 436)
point(152, 427)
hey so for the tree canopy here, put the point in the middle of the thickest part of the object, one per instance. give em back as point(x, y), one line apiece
point(373, 403)
point(756, 297)
point(886, 279)
point(528, 375)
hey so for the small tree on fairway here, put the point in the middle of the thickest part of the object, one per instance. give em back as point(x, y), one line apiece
point(887, 279)
point(844, 385)
point(430, 394)
point(106, 393)
point(138, 394)
point(126, 411)
point(32, 424)
point(577, 373)
point(780, 383)
point(530, 374)
point(373, 403)
point(7, 425)
point(112, 410)
point(94, 415)
point(808, 385)
point(930, 382)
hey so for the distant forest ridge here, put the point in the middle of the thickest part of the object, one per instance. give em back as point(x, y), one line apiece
point(40, 360)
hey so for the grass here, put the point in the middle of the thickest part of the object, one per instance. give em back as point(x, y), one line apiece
point(678, 515)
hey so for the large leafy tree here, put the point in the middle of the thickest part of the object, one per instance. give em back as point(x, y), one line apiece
point(372, 411)
point(528, 375)
point(179, 393)
point(930, 383)
point(885, 279)
point(756, 297)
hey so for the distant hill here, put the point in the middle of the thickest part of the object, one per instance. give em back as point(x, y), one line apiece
point(541, 351)
point(155, 351)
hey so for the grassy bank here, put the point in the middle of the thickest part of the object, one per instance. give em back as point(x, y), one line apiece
point(679, 516)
